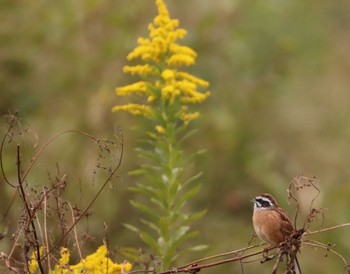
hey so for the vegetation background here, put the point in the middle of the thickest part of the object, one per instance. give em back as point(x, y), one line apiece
point(279, 74)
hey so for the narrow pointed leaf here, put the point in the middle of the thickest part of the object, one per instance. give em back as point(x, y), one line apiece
point(151, 225)
point(144, 209)
point(147, 239)
point(198, 247)
point(132, 228)
point(195, 216)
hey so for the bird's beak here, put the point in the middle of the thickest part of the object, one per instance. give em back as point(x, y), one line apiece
point(252, 201)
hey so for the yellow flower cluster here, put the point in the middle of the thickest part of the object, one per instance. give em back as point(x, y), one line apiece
point(33, 264)
point(96, 263)
point(162, 81)
point(161, 42)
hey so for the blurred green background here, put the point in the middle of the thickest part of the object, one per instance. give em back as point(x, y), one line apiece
point(279, 74)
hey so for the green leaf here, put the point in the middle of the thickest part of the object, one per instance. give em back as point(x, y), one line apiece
point(161, 204)
point(148, 154)
point(132, 254)
point(139, 171)
point(147, 239)
point(164, 228)
point(151, 225)
point(190, 157)
point(145, 209)
point(192, 179)
point(132, 228)
point(146, 190)
point(190, 193)
point(186, 196)
point(187, 135)
point(185, 237)
point(179, 233)
point(198, 247)
point(195, 216)
point(173, 191)
point(165, 179)
point(161, 155)
point(153, 168)
point(152, 193)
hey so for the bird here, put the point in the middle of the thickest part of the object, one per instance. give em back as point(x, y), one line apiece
point(271, 223)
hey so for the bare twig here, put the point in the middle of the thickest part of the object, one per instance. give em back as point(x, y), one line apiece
point(326, 229)
point(277, 263)
point(194, 267)
point(29, 212)
point(12, 122)
point(75, 232)
point(235, 253)
point(45, 227)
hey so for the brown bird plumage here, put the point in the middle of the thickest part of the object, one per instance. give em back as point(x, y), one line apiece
point(271, 223)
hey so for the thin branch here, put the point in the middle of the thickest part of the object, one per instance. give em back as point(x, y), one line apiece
point(326, 229)
point(75, 232)
point(291, 196)
point(45, 227)
point(12, 122)
point(14, 196)
point(142, 271)
point(30, 217)
point(199, 267)
point(277, 263)
point(35, 158)
point(235, 253)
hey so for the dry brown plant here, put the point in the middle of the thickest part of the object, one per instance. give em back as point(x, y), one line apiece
point(47, 220)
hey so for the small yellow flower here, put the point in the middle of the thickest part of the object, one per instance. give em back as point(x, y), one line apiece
point(160, 129)
point(168, 74)
point(64, 260)
point(186, 116)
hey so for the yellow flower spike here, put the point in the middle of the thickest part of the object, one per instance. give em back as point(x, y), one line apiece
point(151, 99)
point(161, 77)
point(163, 11)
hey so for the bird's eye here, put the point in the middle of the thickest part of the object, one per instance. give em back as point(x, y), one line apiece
point(265, 203)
